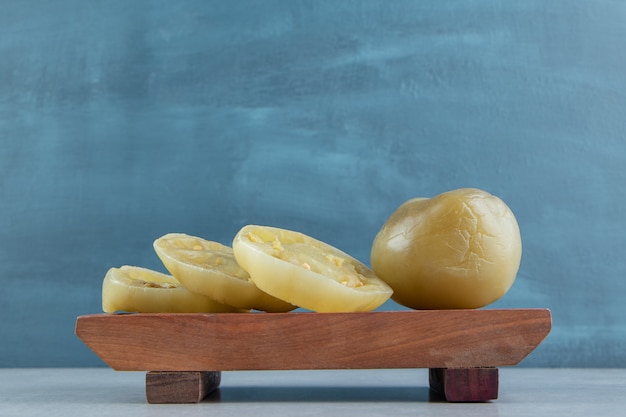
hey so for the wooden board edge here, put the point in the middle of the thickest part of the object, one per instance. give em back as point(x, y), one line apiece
point(541, 316)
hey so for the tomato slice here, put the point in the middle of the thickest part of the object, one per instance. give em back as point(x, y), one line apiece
point(209, 268)
point(141, 290)
point(307, 272)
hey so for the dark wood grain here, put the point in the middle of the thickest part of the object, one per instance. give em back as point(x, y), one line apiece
point(464, 384)
point(258, 341)
point(168, 387)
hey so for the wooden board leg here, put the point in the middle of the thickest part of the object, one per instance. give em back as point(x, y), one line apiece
point(173, 387)
point(464, 384)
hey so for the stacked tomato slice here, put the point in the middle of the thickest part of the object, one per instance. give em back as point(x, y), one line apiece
point(267, 269)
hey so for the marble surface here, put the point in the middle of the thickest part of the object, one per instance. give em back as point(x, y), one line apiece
point(103, 392)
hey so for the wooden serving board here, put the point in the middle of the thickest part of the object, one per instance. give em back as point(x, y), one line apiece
point(184, 347)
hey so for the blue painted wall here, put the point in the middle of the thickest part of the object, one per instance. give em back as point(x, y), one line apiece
point(121, 121)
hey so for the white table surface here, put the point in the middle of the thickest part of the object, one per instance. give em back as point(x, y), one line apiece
point(102, 392)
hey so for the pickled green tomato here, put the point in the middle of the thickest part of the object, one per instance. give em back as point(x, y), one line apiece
point(141, 290)
point(460, 249)
point(306, 272)
point(209, 268)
